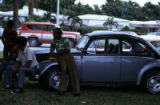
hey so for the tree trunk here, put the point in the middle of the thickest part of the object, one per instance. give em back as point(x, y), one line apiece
point(30, 7)
point(15, 14)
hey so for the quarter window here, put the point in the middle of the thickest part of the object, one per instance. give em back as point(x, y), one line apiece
point(134, 48)
point(48, 28)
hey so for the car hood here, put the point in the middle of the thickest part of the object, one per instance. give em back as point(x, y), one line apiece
point(47, 50)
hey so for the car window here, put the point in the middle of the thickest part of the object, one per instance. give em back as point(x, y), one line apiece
point(103, 46)
point(48, 28)
point(34, 27)
point(134, 48)
point(158, 33)
point(156, 44)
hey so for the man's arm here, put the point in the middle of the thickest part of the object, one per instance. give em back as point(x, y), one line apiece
point(16, 67)
point(28, 64)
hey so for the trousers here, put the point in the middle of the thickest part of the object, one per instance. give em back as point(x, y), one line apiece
point(22, 71)
point(4, 64)
point(67, 66)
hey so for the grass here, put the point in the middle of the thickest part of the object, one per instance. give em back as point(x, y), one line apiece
point(1, 54)
point(90, 95)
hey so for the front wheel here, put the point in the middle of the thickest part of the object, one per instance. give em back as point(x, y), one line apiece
point(51, 79)
point(152, 81)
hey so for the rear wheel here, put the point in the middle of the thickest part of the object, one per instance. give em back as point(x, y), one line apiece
point(33, 42)
point(151, 81)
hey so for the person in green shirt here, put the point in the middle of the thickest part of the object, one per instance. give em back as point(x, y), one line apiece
point(66, 62)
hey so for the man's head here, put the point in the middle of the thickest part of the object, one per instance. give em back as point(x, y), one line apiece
point(57, 32)
point(10, 24)
point(21, 42)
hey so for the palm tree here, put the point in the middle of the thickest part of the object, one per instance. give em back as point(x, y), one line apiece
point(32, 4)
point(15, 14)
point(75, 20)
point(110, 22)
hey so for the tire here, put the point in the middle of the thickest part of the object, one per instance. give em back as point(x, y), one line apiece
point(33, 42)
point(51, 79)
point(71, 43)
point(151, 81)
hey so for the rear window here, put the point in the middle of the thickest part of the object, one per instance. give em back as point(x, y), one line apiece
point(34, 27)
point(49, 28)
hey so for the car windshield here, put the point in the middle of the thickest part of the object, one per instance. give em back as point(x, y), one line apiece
point(82, 42)
point(156, 44)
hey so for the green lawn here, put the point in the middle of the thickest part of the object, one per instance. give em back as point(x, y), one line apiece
point(1, 54)
point(90, 95)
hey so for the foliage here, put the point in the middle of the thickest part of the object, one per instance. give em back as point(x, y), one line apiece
point(110, 22)
point(126, 28)
point(128, 10)
point(85, 30)
point(65, 28)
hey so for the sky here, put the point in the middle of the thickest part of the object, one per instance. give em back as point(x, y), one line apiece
point(100, 2)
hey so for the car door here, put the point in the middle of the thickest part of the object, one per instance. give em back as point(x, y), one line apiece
point(100, 65)
point(47, 35)
point(135, 55)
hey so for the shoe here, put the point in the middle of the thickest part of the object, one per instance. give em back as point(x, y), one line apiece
point(60, 93)
point(76, 94)
point(17, 91)
point(9, 87)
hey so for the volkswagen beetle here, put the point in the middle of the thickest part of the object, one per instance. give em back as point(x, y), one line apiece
point(108, 57)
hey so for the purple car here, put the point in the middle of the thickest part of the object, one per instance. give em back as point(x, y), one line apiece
point(108, 57)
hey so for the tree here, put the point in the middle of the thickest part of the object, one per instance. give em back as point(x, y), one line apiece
point(75, 19)
point(15, 14)
point(31, 5)
point(110, 22)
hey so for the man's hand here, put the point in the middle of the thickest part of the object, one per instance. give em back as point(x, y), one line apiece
point(13, 70)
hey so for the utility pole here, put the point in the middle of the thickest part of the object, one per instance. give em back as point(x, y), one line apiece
point(57, 22)
point(15, 14)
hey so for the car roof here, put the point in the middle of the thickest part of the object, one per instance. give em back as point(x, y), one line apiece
point(40, 23)
point(111, 33)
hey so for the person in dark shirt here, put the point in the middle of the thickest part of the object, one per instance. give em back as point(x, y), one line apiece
point(8, 38)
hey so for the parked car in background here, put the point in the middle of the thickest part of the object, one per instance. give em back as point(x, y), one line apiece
point(154, 33)
point(42, 32)
point(107, 57)
point(1, 31)
point(154, 40)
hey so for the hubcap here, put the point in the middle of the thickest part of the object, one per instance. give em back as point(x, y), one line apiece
point(153, 84)
point(54, 80)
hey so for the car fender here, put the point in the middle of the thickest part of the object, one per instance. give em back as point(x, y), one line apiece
point(145, 69)
point(44, 65)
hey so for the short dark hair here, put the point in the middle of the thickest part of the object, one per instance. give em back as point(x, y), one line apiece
point(22, 41)
point(58, 30)
point(10, 24)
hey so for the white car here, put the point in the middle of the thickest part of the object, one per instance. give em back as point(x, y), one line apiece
point(154, 33)
point(154, 40)
point(1, 31)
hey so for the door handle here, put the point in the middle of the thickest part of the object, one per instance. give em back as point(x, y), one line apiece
point(115, 58)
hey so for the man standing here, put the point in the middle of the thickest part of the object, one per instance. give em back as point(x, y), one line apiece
point(27, 63)
point(8, 38)
point(66, 62)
